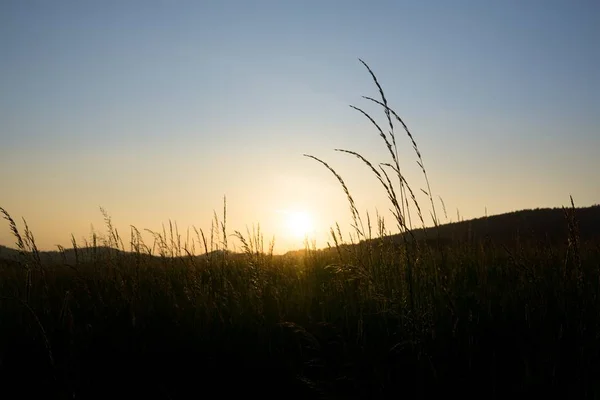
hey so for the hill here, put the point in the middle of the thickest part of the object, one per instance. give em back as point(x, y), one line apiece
point(548, 225)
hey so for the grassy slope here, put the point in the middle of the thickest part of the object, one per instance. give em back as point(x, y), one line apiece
point(376, 318)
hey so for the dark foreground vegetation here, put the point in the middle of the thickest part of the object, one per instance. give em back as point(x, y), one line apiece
point(422, 313)
point(370, 320)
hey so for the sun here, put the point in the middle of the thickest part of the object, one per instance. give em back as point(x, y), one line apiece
point(299, 223)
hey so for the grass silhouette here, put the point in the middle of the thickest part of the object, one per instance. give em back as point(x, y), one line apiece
point(377, 316)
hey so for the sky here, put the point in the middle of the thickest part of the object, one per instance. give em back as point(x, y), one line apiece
point(158, 110)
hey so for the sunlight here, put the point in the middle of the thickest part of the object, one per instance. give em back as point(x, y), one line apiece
point(299, 223)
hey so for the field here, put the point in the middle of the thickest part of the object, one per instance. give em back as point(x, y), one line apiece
point(421, 313)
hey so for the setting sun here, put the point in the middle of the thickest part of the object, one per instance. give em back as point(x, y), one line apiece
point(299, 223)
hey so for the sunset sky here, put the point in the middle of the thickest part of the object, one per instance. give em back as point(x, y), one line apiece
point(156, 110)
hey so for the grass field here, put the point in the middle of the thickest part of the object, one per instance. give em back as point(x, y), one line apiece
point(369, 317)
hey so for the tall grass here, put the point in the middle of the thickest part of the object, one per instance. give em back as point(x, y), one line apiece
point(379, 316)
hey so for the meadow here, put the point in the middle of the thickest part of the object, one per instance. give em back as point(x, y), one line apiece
point(375, 315)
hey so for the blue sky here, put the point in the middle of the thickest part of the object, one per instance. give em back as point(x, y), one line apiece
point(155, 110)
